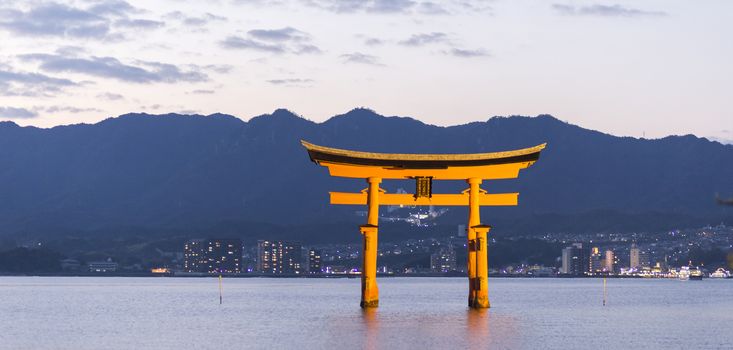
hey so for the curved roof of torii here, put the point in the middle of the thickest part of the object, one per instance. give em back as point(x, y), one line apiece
point(320, 154)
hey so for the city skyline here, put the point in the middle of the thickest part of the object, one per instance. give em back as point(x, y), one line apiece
point(627, 68)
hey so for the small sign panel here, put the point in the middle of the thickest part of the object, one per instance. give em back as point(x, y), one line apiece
point(423, 186)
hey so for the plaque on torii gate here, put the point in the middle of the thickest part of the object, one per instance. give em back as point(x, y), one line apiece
point(474, 168)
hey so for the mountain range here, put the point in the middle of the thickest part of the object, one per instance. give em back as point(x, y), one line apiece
point(219, 175)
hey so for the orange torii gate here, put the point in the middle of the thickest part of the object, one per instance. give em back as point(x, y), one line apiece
point(424, 168)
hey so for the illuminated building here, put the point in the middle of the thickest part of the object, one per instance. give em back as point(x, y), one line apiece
point(644, 260)
point(213, 256)
point(634, 255)
point(663, 265)
point(595, 263)
point(567, 254)
point(609, 262)
point(443, 260)
point(573, 260)
point(223, 255)
point(279, 257)
point(103, 266)
point(314, 261)
point(192, 255)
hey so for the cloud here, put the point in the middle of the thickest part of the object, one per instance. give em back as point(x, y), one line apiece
point(260, 3)
point(361, 58)
point(54, 20)
point(236, 42)
point(203, 20)
point(604, 11)
point(389, 6)
point(139, 23)
point(197, 21)
point(16, 113)
point(113, 7)
point(474, 6)
point(219, 68)
point(70, 50)
point(373, 41)
point(276, 41)
point(97, 21)
point(425, 39)
point(380, 7)
point(292, 82)
point(432, 8)
point(203, 92)
point(153, 107)
point(369, 40)
point(177, 109)
point(110, 96)
point(15, 83)
point(373, 6)
point(278, 35)
point(307, 49)
point(722, 140)
point(467, 53)
point(66, 109)
point(108, 67)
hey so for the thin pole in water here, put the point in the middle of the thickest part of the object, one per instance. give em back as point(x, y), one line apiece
point(604, 291)
point(220, 292)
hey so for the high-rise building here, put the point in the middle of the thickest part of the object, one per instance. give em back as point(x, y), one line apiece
point(193, 255)
point(279, 257)
point(609, 262)
point(573, 260)
point(634, 256)
point(213, 255)
point(461, 230)
point(663, 265)
point(314, 261)
point(223, 255)
point(567, 254)
point(638, 258)
point(595, 263)
point(443, 260)
point(644, 260)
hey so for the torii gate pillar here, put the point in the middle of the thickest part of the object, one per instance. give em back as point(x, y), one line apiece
point(481, 283)
point(477, 262)
point(369, 289)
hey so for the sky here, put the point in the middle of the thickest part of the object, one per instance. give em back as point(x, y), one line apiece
point(629, 68)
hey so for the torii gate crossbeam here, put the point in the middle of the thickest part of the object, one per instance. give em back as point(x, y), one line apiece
point(424, 168)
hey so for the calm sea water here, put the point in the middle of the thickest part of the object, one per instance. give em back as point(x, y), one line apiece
point(415, 313)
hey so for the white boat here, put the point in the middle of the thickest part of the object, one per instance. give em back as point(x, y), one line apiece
point(720, 273)
point(690, 273)
point(684, 273)
point(696, 274)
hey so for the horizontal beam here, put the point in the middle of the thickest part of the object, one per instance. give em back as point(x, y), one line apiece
point(486, 172)
point(485, 199)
